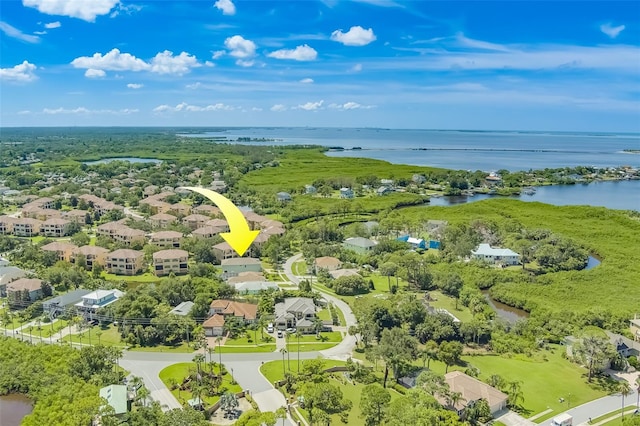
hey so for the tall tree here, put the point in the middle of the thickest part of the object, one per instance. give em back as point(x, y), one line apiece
point(396, 349)
point(449, 353)
point(374, 403)
point(593, 351)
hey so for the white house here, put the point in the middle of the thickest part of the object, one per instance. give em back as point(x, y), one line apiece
point(97, 299)
point(500, 256)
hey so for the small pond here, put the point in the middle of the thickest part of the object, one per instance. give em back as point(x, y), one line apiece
point(129, 159)
point(13, 408)
point(592, 262)
point(506, 312)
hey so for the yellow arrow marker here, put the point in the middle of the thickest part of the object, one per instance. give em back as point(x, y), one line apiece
point(240, 237)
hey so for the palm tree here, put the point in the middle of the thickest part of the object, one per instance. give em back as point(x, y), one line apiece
point(317, 325)
point(298, 334)
point(625, 390)
point(283, 351)
point(198, 359)
point(453, 398)
point(515, 393)
point(219, 342)
point(142, 395)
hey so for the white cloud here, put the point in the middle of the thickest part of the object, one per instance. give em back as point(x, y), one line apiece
point(195, 85)
point(128, 9)
point(82, 9)
point(256, 109)
point(112, 61)
point(356, 68)
point(311, 106)
point(83, 110)
point(300, 53)
point(17, 34)
point(218, 53)
point(135, 86)
point(479, 44)
point(163, 63)
point(40, 32)
point(306, 80)
point(356, 36)
point(23, 72)
point(242, 49)
point(610, 31)
point(52, 25)
point(166, 63)
point(278, 108)
point(24, 112)
point(183, 106)
point(93, 73)
point(350, 105)
point(226, 6)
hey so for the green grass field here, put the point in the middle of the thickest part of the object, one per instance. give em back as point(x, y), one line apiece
point(331, 336)
point(300, 268)
point(49, 328)
point(274, 371)
point(535, 375)
point(449, 303)
point(145, 278)
point(181, 370)
point(105, 336)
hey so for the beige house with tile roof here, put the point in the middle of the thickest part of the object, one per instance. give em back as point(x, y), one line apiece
point(6, 224)
point(15, 290)
point(78, 216)
point(207, 232)
point(206, 209)
point(168, 261)
point(55, 227)
point(92, 255)
point(195, 221)
point(62, 249)
point(218, 223)
point(26, 227)
point(162, 220)
point(125, 262)
point(472, 390)
point(129, 236)
point(167, 239)
point(223, 251)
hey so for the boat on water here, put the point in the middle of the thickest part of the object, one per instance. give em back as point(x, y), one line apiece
point(529, 190)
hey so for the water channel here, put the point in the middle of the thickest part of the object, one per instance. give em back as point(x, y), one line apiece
point(13, 408)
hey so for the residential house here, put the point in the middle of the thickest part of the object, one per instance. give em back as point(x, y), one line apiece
point(243, 277)
point(103, 207)
point(326, 262)
point(418, 178)
point(220, 309)
point(219, 223)
point(77, 216)
point(92, 255)
point(472, 390)
point(58, 305)
point(195, 221)
point(218, 185)
point(168, 261)
point(346, 193)
point(108, 229)
point(283, 196)
point(129, 236)
point(360, 245)
point(259, 241)
point(166, 239)
point(498, 256)
point(339, 273)
point(117, 397)
point(26, 227)
point(634, 327)
point(415, 243)
point(156, 206)
point(180, 209)
point(162, 220)
point(255, 287)
point(95, 300)
point(223, 251)
point(63, 250)
point(124, 262)
point(207, 210)
point(16, 291)
point(273, 230)
point(386, 182)
point(7, 274)
point(6, 224)
point(254, 219)
point(384, 190)
point(207, 232)
point(310, 189)
point(183, 309)
point(298, 312)
point(235, 266)
point(55, 227)
point(624, 346)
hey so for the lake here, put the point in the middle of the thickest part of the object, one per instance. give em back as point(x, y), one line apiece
point(623, 195)
point(128, 159)
point(13, 408)
point(455, 149)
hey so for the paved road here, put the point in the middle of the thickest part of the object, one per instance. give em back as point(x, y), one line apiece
point(599, 407)
point(288, 268)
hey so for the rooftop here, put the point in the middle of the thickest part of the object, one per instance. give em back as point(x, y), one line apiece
point(170, 254)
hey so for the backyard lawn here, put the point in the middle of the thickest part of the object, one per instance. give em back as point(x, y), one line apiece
point(449, 303)
point(273, 370)
point(535, 376)
point(180, 371)
point(108, 336)
point(47, 328)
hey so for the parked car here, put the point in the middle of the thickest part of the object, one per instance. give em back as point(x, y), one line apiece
point(279, 333)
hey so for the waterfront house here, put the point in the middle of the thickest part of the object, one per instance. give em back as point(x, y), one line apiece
point(26, 227)
point(95, 300)
point(235, 266)
point(92, 255)
point(310, 189)
point(18, 289)
point(162, 220)
point(415, 243)
point(418, 179)
point(55, 227)
point(326, 262)
point(243, 277)
point(58, 305)
point(63, 250)
point(166, 239)
point(168, 261)
point(283, 196)
point(384, 190)
point(124, 262)
point(346, 193)
point(472, 390)
point(497, 256)
point(195, 221)
point(117, 398)
point(359, 244)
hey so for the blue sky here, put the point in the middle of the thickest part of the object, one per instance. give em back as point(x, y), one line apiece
point(563, 65)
